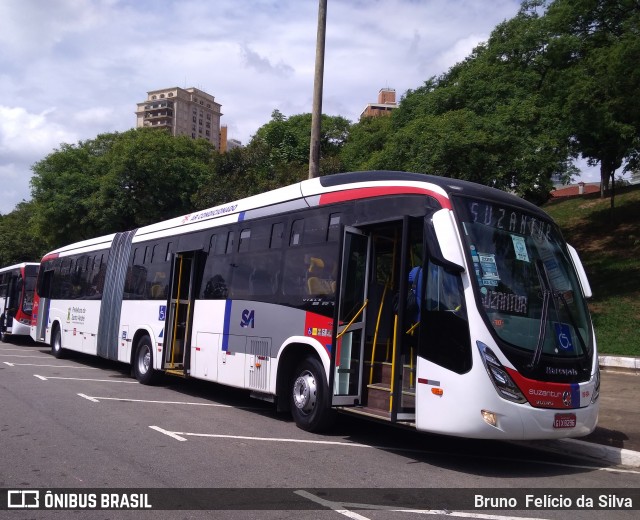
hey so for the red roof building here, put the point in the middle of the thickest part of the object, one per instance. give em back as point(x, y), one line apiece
point(573, 190)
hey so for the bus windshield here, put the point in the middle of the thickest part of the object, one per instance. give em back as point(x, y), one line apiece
point(526, 281)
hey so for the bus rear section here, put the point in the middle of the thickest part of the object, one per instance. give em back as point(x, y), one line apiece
point(17, 290)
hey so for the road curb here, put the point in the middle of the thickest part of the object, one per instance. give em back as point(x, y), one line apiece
point(599, 452)
point(620, 362)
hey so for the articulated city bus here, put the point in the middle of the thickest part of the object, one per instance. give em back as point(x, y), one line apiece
point(17, 288)
point(423, 301)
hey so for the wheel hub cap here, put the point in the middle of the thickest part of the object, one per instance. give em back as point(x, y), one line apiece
point(304, 392)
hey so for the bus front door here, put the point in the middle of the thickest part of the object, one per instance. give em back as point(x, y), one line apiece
point(42, 318)
point(347, 355)
point(177, 336)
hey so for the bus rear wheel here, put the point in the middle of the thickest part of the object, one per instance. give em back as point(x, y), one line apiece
point(143, 362)
point(56, 344)
point(310, 405)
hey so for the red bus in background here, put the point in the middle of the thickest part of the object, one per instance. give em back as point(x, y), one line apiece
point(17, 287)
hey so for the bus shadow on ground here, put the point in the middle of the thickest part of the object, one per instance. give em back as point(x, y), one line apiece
point(487, 458)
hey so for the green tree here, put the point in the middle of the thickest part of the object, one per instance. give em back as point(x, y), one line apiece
point(243, 172)
point(116, 182)
point(288, 140)
point(365, 142)
point(19, 241)
point(489, 119)
point(62, 187)
point(596, 48)
point(148, 176)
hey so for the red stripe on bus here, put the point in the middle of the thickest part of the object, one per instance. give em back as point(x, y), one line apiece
point(51, 256)
point(364, 193)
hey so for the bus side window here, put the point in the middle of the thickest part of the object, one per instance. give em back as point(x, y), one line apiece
point(277, 234)
point(446, 339)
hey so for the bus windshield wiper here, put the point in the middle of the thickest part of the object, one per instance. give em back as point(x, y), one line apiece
point(545, 286)
point(547, 294)
point(572, 320)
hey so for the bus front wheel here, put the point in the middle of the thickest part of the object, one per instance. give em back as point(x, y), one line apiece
point(143, 362)
point(310, 405)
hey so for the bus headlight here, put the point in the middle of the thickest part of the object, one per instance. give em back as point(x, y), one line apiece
point(501, 380)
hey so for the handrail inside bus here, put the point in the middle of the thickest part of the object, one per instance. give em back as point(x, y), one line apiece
point(375, 336)
point(353, 319)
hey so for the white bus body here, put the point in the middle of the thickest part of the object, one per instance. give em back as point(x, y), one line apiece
point(300, 295)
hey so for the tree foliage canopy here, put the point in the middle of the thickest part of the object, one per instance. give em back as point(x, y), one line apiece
point(115, 182)
point(557, 81)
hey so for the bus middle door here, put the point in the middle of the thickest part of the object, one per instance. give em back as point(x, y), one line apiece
point(177, 336)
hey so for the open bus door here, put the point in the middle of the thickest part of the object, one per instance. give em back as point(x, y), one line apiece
point(382, 339)
point(348, 351)
point(185, 281)
point(44, 300)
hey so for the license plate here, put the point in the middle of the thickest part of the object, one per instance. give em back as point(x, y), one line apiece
point(564, 420)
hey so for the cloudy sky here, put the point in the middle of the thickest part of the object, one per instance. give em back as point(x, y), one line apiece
point(72, 69)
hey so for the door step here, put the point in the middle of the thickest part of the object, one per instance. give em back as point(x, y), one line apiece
point(378, 396)
point(374, 413)
point(175, 372)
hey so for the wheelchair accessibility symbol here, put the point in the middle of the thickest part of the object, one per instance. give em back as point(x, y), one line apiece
point(563, 337)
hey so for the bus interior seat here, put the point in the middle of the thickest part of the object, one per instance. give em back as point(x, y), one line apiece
point(317, 282)
point(158, 289)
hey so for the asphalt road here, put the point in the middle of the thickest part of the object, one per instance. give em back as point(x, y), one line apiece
point(84, 423)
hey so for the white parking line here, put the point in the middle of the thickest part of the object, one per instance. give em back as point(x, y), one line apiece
point(181, 436)
point(43, 378)
point(170, 434)
point(97, 399)
point(343, 509)
point(54, 366)
point(337, 507)
point(17, 355)
point(8, 349)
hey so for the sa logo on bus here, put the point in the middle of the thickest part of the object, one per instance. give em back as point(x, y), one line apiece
point(247, 321)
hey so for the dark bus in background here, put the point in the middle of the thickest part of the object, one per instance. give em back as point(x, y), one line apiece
point(17, 287)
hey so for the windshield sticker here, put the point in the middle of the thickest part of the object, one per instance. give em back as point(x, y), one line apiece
point(504, 302)
point(489, 269)
point(556, 277)
point(563, 337)
point(520, 247)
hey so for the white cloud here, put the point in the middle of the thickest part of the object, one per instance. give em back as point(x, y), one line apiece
point(94, 115)
point(22, 134)
point(24, 139)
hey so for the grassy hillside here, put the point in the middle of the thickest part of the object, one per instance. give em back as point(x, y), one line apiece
point(610, 252)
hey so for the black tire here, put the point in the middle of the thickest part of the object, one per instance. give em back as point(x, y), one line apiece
point(309, 394)
point(143, 362)
point(56, 344)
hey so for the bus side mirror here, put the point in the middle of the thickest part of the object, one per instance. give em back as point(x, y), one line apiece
point(442, 241)
point(582, 275)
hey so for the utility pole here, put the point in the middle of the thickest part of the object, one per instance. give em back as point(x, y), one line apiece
point(316, 114)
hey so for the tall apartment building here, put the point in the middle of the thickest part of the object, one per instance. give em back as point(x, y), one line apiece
point(225, 143)
point(386, 103)
point(190, 112)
